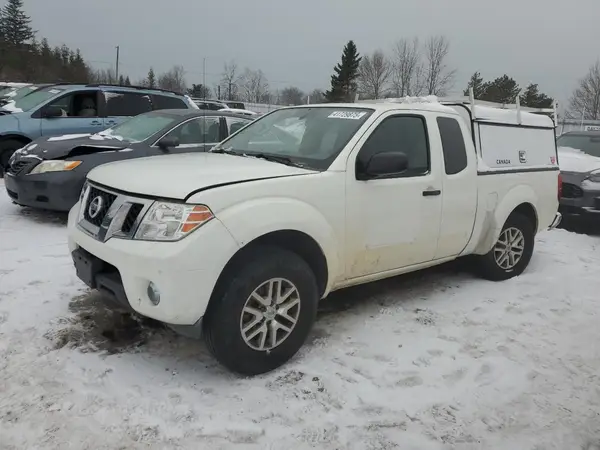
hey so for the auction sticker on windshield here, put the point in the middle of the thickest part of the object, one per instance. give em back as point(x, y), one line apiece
point(346, 115)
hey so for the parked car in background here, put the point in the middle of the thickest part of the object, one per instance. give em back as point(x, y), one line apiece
point(243, 112)
point(6, 87)
point(76, 108)
point(18, 93)
point(233, 105)
point(209, 104)
point(242, 242)
point(579, 160)
point(49, 173)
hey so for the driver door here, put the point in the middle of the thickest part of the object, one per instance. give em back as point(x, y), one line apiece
point(393, 222)
point(75, 118)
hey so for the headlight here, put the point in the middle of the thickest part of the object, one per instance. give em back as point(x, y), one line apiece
point(54, 166)
point(172, 221)
point(594, 177)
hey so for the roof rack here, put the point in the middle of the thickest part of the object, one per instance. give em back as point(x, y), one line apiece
point(133, 87)
point(470, 101)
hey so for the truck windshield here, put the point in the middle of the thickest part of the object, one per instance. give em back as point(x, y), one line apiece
point(36, 98)
point(308, 136)
point(586, 143)
point(140, 128)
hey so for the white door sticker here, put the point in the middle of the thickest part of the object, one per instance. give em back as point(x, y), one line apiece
point(346, 115)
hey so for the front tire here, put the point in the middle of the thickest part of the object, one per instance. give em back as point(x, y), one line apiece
point(262, 312)
point(512, 251)
point(7, 148)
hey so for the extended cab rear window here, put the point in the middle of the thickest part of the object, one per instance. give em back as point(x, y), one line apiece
point(453, 145)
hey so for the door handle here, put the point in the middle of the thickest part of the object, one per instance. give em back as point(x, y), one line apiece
point(96, 122)
point(431, 192)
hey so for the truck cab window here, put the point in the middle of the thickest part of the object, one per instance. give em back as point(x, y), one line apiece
point(406, 134)
point(453, 145)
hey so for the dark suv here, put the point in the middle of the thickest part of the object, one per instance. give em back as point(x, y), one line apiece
point(61, 109)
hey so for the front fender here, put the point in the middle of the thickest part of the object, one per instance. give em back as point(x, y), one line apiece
point(252, 219)
point(496, 216)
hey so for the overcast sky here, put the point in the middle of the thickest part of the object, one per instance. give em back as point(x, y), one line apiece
point(548, 42)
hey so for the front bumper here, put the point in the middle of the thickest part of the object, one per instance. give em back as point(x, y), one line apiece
point(580, 196)
point(185, 272)
point(57, 191)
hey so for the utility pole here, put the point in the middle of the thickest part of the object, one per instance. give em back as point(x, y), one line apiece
point(204, 78)
point(117, 66)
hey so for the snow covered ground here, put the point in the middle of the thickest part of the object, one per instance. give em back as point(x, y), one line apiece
point(436, 360)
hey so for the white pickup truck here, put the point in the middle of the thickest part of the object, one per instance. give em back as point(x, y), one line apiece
point(242, 242)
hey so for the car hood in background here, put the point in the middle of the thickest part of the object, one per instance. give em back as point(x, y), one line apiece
point(176, 176)
point(59, 146)
point(573, 160)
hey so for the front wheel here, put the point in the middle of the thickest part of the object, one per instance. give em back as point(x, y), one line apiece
point(512, 252)
point(7, 148)
point(263, 312)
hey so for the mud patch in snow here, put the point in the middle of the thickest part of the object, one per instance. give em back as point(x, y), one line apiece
point(96, 327)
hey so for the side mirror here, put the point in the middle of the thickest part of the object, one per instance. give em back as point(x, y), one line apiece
point(168, 142)
point(382, 165)
point(52, 112)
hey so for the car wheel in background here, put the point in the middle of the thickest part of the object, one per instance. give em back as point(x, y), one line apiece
point(7, 148)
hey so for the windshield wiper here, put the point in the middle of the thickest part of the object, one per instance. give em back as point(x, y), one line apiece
point(226, 151)
point(266, 156)
point(276, 158)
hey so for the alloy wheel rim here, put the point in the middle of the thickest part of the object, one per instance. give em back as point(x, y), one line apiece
point(509, 248)
point(270, 314)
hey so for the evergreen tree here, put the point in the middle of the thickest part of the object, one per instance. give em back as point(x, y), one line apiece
point(151, 80)
point(479, 86)
point(343, 81)
point(533, 98)
point(121, 80)
point(502, 90)
point(127, 81)
point(15, 24)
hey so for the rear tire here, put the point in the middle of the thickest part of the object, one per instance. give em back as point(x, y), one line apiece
point(246, 312)
point(7, 148)
point(512, 251)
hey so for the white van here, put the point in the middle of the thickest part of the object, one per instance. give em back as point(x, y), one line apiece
point(242, 242)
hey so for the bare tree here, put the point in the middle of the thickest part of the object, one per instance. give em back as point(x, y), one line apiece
point(173, 80)
point(585, 101)
point(255, 87)
point(407, 69)
point(291, 96)
point(230, 81)
point(373, 75)
point(438, 77)
point(315, 96)
point(106, 76)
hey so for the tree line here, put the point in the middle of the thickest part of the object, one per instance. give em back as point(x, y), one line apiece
point(410, 68)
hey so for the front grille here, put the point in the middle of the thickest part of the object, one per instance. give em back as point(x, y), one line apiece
point(97, 205)
point(132, 215)
point(571, 191)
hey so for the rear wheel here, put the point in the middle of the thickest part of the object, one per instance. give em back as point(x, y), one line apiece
point(263, 313)
point(512, 251)
point(7, 148)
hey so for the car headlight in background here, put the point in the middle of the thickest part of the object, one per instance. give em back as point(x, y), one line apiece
point(54, 166)
point(172, 221)
point(594, 177)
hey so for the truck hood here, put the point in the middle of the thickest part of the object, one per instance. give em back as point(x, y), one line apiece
point(573, 160)
point(177, 176)
point(59, 147)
